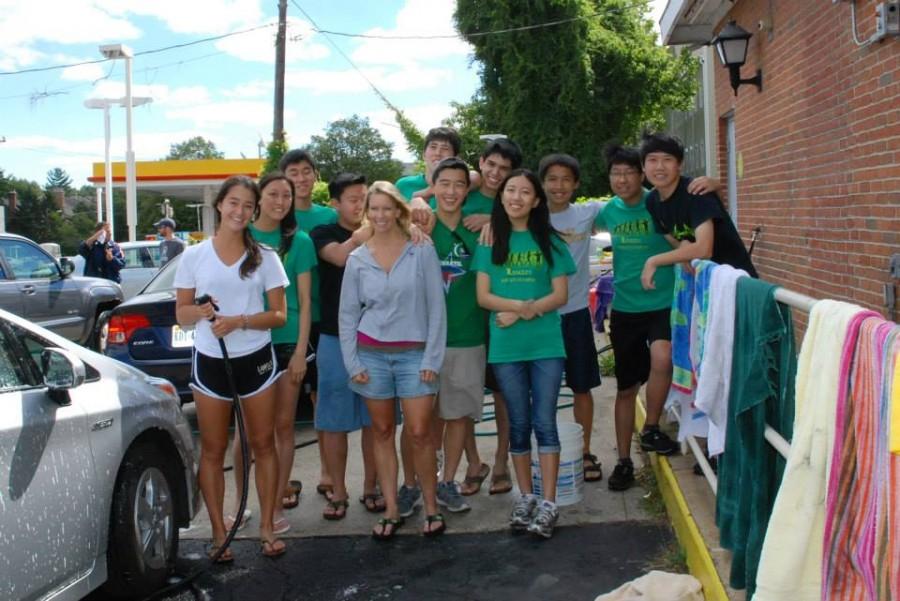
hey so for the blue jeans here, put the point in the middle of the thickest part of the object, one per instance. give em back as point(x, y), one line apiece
point(531, 389)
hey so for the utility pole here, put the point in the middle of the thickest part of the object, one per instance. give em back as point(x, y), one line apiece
point(280, 43)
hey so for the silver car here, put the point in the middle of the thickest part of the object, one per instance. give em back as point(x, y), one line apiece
point(96, 470)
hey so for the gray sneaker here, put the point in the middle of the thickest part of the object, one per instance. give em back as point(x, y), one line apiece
point(544, 519)
point(407, 499)
point(523, 508)
point(448, 496)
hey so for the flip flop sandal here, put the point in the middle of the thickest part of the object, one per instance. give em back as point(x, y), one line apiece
point(338, 510)
point(326, 490)
point(225, 557)
point(370, 500)
point(476, 481)
point(500, 484)
point(429, 520)
point(385, 523)
point(295, 487)
point(268, 548)
point(280, 526)
point(246, 518)
point(593, 472)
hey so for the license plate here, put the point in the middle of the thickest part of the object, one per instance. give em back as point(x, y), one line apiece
point(182, 338)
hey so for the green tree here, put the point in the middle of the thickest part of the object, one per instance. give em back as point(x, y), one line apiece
point(354, 145)
point(274, 151)
point(194, 149)
point(58, 178)
point(36, 216)
point(468, 120)
point(572, 87)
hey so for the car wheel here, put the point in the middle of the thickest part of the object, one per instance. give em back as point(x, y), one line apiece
point(143, 536)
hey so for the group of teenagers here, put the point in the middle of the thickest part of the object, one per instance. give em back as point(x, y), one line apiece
point(415, 297)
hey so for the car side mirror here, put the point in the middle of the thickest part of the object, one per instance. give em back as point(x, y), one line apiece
point(66, 266)
point(62, 370)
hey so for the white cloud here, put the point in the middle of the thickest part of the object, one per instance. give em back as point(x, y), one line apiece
point(90, 72)
point(250, 89)
point(425, 117)
point(191, 16)
point(416, 18)
point(259, 45)
point(245, 113)
point(408, 77)
point(70, 22)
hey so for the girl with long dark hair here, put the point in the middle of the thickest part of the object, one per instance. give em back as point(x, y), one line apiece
point(239, 275)
point(522, 281)
point(276, 227)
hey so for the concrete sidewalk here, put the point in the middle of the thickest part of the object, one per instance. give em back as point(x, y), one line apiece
point(489, 512)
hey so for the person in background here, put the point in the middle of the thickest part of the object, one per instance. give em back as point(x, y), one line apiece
point(102, 256)
point(276, 228)
point(170, 247)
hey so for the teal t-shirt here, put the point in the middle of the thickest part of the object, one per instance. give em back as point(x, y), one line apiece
point(634, 240)
point(311, 218)
point(525, 275)
point(456, 249)
point(301, 258)
point(411, 184)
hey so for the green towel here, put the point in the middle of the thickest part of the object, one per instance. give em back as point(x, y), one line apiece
point(762, 391)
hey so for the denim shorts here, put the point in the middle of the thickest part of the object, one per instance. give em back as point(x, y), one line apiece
point(393, 374)
point(338, 408)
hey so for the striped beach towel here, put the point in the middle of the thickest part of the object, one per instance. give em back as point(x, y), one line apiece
point(858, 469)
point(790, 566)
point(887, 508)
point(692, 421)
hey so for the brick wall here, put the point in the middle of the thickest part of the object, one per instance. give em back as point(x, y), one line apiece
point(820, 147)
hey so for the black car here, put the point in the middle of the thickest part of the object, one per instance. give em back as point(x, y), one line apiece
point(142, 332)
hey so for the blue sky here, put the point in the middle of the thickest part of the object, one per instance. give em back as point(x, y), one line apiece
point(221, 90)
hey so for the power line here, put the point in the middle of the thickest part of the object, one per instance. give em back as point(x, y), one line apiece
point(142, 52)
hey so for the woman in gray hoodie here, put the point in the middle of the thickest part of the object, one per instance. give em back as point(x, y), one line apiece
point(393, 331)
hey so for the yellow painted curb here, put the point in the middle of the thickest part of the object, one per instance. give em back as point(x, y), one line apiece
point(699, 560)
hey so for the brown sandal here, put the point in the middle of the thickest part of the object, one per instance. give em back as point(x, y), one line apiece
point(500, 483)
point(338, 510)
point(371, 499)
point(475, 481)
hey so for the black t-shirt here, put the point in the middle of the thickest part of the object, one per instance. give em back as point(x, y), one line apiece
point(330, 276)
point(682, 212)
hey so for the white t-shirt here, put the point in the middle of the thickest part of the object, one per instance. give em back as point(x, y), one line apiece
point(201, 268)
point(575, 225)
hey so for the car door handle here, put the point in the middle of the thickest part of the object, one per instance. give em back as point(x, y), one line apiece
point(28, 289)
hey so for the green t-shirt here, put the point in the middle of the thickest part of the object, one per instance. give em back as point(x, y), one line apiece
point(411, 184)
point(315, 216)
point(476, 204)
point(634, 240)
point(455, 249)
point(301, 258)
point(525, 275)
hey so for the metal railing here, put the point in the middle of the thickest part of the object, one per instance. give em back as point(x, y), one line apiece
point(778, 442)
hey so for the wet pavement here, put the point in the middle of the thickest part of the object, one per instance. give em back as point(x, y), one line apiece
point(579, 562)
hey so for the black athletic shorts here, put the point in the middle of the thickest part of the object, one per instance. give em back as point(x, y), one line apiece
point(582, 367)
point(631, 335)
point(311, 379)
point(253, 373)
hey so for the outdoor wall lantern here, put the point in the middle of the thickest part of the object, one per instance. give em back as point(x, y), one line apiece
point(731, 44)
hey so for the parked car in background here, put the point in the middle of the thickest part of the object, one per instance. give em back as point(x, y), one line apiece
point(97, 470)
point(141, 264)
point(34, 286)
point(142, 332)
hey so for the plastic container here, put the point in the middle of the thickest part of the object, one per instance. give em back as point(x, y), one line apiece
point(570, 482)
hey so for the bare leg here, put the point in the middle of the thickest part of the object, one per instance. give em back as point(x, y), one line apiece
point(659, 380)
point(549, 473)
point(259, 415)
point(454, 441)
point(624, 418)
point(417, 412)
point(286, 393)
point(584, 416)
point(383, 434)
point(213, 417)
point(335, 456)
point(408, 456)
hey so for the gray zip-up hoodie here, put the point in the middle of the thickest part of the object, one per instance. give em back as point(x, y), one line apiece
point(406, 304)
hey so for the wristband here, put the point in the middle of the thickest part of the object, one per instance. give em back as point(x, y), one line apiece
point(245, 322)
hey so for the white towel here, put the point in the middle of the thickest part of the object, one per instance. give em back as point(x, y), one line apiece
point(790, 566)
point(714, 380)
point(657, 586)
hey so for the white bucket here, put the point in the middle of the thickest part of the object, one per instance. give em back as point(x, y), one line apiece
point(570, 482)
